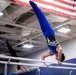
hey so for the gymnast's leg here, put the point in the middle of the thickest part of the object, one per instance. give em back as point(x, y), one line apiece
point(13, 53)
point(45, 26)
point(11, 50)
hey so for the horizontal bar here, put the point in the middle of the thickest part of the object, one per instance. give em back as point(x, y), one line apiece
point(24, 59)
point(33, 60)
point(36, 65)
point(59, 67)
point(3, 62)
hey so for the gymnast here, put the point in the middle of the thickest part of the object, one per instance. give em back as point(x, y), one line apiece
point(13, 53)
point(53, 45)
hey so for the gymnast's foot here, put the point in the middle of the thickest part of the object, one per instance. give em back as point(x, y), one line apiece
point(32, 3)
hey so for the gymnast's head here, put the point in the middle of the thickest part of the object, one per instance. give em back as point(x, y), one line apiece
point(62, 57)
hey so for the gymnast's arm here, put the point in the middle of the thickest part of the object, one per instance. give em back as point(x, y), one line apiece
point(43, 56)
point(59, 50)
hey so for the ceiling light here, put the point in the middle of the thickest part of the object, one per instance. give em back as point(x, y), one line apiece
point(64, 30)
point(28, 46)
point(1, 13)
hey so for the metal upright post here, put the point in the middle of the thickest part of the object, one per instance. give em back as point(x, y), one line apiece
point(5, 69)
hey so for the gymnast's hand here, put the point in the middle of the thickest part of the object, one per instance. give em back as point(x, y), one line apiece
point(46, 65)
point(59, 62)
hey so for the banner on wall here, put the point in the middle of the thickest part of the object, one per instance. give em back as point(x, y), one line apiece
point(66, 8)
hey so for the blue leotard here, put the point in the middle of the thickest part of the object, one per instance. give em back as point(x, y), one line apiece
point(52, 45)
point(45, 27)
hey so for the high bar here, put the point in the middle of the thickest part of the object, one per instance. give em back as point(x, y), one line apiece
point(37, 65)
point(24, 59)
point(3, 62)
point(33, 60)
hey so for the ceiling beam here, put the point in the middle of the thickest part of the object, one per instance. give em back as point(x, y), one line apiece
point(10, 30)
point(18, 25)
point(38, 42)
point(14, 37)
point(26, 40)
point(63, 23)
point(62, 35)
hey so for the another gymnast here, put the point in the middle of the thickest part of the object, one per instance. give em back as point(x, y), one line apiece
point(13, 53)
point(53, 45)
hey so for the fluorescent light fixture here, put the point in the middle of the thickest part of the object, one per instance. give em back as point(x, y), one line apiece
point(28, 46)
point(64, 30)
point(1, 13)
